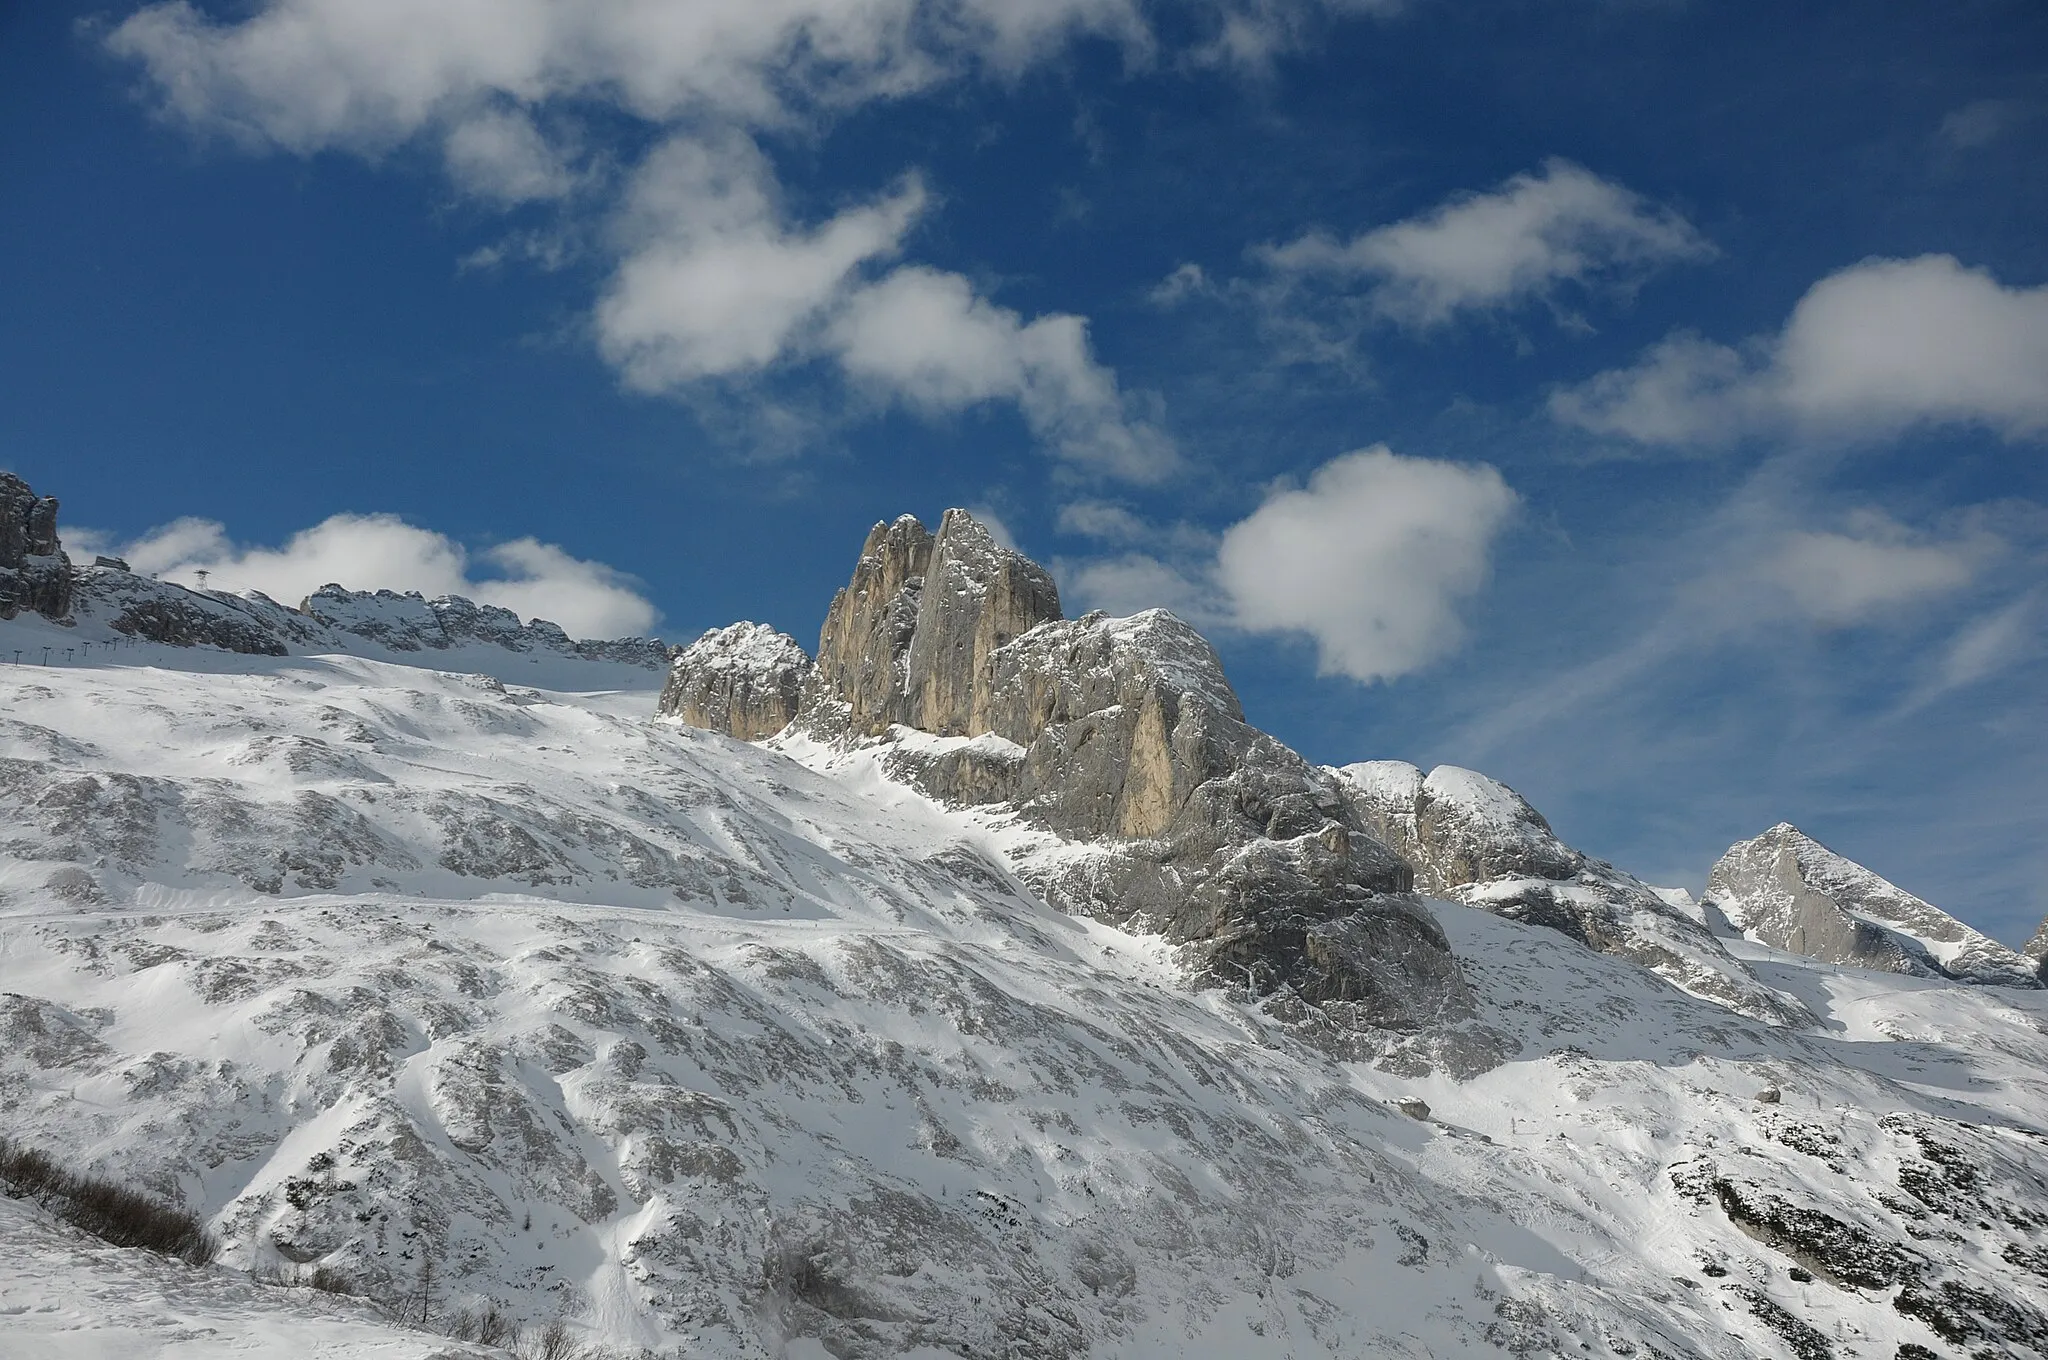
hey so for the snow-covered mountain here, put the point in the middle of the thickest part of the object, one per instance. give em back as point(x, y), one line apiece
point(851, 1042)
point(1788, 890)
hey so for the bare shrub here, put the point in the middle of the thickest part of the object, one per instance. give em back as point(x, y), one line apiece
point(330, 1280)
point(107, 1209)
point(494, 1327)
point(551, 1342)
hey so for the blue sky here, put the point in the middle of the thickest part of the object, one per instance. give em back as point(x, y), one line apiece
point(1644, 403)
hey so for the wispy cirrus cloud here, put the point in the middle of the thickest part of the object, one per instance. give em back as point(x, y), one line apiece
point(1559, 226)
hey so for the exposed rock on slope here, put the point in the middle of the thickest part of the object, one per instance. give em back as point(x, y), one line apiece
point(745, 680)
point(35, 573)
point(1475, 840)
point(1123, 738)
point(1789, 891)
point(331, 619)
point(2037, 950)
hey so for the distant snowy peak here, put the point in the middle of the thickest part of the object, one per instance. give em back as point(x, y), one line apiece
point(1474, 840)
point(1789, 891)
point(107, 605)
point(108, 599)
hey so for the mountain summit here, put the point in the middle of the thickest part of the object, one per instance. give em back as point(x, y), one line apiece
point(946, 658)
point(1787, 890)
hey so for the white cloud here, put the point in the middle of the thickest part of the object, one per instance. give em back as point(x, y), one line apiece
point(1186, 281)
point(713, 277)
point(306, 75)
point(499, 154)
point(1102, 520)
point(1838, 579)
point(1373, 559)
point(1982, 648)
point(924, 337)
point(713, 282)
point(1872, 350)
point(383, 552)
point(1134, 582)
point(1479, 252)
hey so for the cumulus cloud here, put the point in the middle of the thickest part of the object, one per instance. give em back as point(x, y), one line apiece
point(307, 75)
point(923, 337)
point(1373, 559)
point(1479, 252)
point(1872, 350)
point(383, 552)
point(713, 280)
point(499, 154)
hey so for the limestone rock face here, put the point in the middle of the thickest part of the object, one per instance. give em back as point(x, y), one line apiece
point(35, 573)
point(911, 638)
point(857, 687)
point(1123, 739)
point(1789, 891)
point(1474, 840)
point(977, 597)
point(745, 681)
point(2036, 951)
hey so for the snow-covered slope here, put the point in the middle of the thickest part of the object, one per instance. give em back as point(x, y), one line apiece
point(116, 612)
point(1788, 890)
point(1474, 840)
point(703, 1045)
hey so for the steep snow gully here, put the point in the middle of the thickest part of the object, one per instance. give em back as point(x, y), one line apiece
point(1008, 996)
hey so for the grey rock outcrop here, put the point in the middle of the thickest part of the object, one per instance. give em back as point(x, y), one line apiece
point(947, 654)
point(1474, 840)
point(911, 638)
point(745, 680)
point(331, 619)
point(35, 572)
point(2036, 951)
point(1789, 891)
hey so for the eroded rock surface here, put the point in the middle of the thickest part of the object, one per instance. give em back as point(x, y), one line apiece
point(35, 573)
point(1474, 840)
point(745, 680)
point(1789, 891)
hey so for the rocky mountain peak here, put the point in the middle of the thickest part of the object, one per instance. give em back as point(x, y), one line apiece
point(911, 637)
point(745, 680)
point(1787, 890)
point(35, 572)
point(946, 657)
point(1472, 839)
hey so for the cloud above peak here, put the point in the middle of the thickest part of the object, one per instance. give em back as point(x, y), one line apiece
point(1373, 561)
point(383, 552)
point(1481, 252)
point(1871, 350)
point(712, 278)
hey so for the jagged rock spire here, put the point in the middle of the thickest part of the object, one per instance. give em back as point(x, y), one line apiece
point(35, 573)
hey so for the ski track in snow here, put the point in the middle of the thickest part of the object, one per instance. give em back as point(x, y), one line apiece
point(752, 1051)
